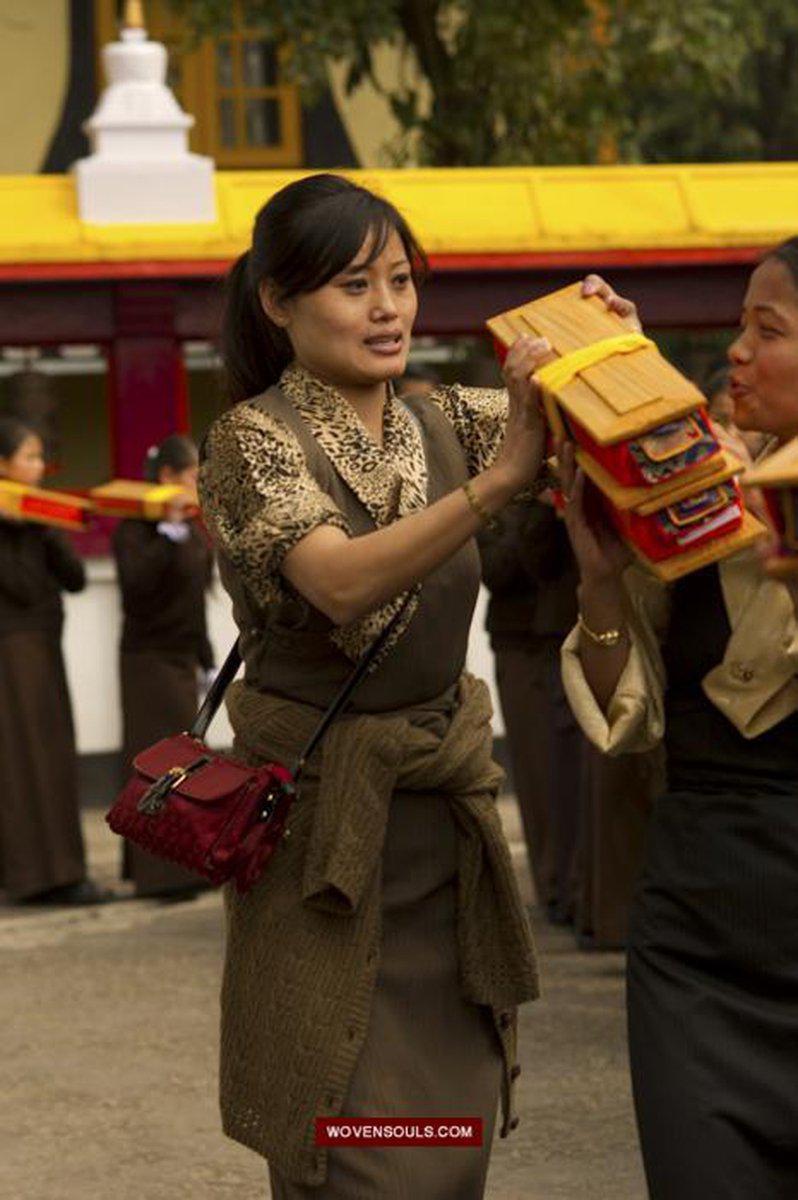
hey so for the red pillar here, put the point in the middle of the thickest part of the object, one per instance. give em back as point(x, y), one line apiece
point(147, 392)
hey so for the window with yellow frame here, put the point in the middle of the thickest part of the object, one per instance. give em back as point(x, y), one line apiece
point(246, 115)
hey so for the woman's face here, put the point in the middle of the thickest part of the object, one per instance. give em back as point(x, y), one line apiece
point(355, 330)
point(763, 380)
point(26, 464)
point(185, 478)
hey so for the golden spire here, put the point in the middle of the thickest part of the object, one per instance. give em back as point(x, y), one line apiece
point(134, 15)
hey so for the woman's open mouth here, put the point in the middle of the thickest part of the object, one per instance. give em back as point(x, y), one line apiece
point(385, 344)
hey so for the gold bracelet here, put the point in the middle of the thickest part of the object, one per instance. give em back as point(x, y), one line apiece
point(487, 518)
point(607, 638)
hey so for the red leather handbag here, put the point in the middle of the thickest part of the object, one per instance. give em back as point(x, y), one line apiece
point(208, 812)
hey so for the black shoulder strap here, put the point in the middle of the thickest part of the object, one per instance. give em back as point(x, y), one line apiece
point(230, 667)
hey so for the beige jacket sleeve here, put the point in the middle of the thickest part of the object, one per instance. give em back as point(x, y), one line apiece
point(635, 717)
point(754, 686)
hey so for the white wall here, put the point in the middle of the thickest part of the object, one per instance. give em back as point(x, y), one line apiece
point(91, 640)
point(90, 648)
point(480, 659)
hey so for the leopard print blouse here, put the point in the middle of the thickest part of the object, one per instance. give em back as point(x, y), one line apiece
point(259, 497)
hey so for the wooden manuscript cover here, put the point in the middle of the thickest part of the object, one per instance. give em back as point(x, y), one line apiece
point(44, 507)
point(617, 399)
point(132, 498)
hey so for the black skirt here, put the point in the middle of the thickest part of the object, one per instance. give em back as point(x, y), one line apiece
point(713, 997)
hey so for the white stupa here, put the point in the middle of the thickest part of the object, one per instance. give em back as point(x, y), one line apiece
point(140, 170)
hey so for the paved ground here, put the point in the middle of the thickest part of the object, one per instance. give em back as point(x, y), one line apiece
point(107, 1083)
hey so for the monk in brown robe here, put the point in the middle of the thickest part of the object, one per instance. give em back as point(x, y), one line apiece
point(164, 571)
point(41, 846)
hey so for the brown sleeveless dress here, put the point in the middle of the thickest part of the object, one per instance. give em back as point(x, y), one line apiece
point(428, 1052)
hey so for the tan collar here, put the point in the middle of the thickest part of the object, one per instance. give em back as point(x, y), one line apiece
point(389, 480)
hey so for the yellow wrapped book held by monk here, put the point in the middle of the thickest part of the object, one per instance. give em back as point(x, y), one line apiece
point(145, 501)
point(44, 507)
point(641, 431)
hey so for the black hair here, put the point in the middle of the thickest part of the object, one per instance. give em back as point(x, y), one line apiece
point(787, 253)
point(12, 434)
point(176, 452)
point(303, 236)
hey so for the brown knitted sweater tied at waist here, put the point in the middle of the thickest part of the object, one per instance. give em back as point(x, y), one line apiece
point(313, 921)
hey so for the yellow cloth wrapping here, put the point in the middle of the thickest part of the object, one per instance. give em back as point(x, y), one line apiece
point(556, 375)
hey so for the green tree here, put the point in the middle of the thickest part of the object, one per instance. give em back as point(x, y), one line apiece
point(749, 110)
point(554, 81)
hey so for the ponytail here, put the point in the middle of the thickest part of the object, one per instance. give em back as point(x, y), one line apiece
point(177, 451)
point(255, 351)
point(150, 469)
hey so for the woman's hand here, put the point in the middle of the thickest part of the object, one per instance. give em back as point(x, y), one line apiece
point(180, 507)
point(524, 441)
point(600, 554)
point(594, 285)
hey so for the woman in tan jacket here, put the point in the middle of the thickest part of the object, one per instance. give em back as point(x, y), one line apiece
point(709, 665)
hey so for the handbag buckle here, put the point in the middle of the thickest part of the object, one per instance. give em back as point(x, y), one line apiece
point(270, 800)
point(155, 797)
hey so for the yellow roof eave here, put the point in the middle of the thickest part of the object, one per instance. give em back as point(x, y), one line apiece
point(507, 210)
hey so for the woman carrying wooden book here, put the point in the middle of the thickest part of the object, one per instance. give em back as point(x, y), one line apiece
point(164, 572)
point(41, 846)
point(709, 665)
point(376, 968)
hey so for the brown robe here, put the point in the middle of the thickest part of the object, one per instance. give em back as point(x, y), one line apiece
point(584, 815)
point(528, 567)
point(164, 641)
point(41, 845)
point(616, 802)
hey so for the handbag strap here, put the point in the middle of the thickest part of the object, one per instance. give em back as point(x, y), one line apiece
point(215, 695)
point(229, 668)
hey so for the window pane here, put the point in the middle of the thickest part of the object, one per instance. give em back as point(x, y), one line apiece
point(227, 123)
point(260, 64)
point(263, 122)
point(224, 65)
